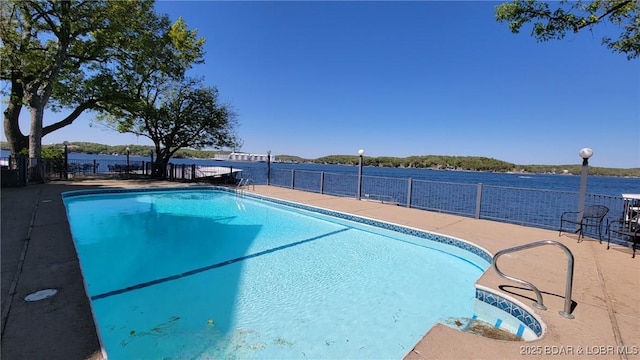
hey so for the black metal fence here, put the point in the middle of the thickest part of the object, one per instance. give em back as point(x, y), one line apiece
point(521, 206)
point(14, 171)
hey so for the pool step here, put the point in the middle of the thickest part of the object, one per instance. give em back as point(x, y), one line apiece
point(498, 331)
point(496, 317)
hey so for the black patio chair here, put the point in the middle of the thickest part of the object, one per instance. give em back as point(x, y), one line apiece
point(592, 216)
point(630, 231)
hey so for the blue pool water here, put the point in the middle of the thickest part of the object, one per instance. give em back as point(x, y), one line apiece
point(207, 274)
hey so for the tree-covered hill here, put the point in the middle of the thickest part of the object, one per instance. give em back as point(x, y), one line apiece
point(443, 162)
point(473, 163)
point(426, 161)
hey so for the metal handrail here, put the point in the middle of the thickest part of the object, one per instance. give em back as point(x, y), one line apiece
point(539, 303)
point(244, 182)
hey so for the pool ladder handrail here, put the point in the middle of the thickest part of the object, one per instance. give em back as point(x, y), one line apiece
point(539, 303)
point(242, 183)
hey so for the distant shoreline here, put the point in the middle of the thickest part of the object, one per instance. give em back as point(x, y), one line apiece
point(434, 162)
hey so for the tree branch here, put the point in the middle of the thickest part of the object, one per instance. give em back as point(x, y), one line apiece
point(577, 28)
point(69, 119)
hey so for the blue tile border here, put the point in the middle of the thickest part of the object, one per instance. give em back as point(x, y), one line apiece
point(388, 226)
point(73, 193)
point(511, 308)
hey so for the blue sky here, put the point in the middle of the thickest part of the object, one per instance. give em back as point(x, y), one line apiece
point(407, 78)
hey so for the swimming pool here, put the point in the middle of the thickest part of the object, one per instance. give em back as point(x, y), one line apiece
point(203, 273)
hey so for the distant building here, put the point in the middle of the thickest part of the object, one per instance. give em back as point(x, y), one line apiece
point(240, 156)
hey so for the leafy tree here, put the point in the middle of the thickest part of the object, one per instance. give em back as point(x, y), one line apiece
point(428, 161)
point(54, 158)
point(178, 114)
point(573, 16)
point(69, 54)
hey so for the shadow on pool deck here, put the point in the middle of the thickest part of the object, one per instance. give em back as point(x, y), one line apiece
point(38, 253)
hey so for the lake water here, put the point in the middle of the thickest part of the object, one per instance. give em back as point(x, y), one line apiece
point(604, 185)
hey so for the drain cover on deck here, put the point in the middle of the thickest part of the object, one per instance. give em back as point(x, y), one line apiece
point(40, 295)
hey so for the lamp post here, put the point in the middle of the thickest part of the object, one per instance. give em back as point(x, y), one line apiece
point(585, 154)
point(66, 159)
point(360, 153)
point(128, 150)
point(150, 164)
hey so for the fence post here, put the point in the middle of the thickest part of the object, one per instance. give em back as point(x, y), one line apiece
point(22, 165)
point(193, 172)
point(409, 189)
point(479, 201)
point(321, 182)
point(183, 168)
point(293, 178)
point(95, 166)
point(269, 167)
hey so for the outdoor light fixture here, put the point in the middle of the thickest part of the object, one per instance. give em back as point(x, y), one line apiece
point(66, 159)
point(152, 163)
point(585, 154)
point(128, 150)
point(360, 153)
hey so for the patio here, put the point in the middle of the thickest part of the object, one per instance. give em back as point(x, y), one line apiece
point(38, 253)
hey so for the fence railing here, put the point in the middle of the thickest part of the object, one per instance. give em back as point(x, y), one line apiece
point(14, 171)
point(56, 169)
point(522, 206)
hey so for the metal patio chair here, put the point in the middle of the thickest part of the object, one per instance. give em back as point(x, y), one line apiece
point(627, 228)
point(592, 216)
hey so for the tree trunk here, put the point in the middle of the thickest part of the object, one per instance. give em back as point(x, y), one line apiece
point(36, 165)
point(160, 168)
point(17, 140)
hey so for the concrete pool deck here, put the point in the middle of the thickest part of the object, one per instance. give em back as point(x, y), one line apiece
point(38, 253)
